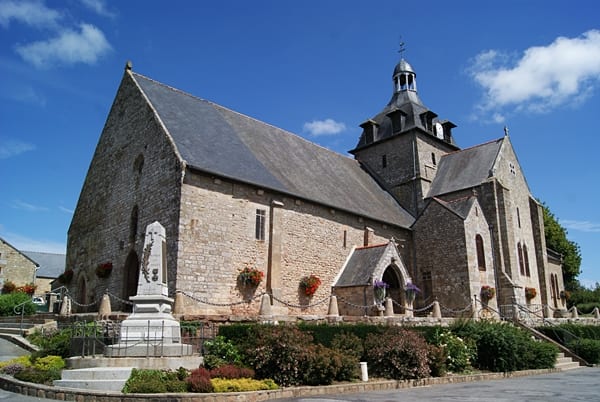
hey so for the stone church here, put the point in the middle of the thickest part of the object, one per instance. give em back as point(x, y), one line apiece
point(235, 193)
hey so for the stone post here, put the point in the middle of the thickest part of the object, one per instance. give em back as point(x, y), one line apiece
point(596, 313)
point(389, 307)
point(105, 310)
point(574, 312)
point(265, 306)
point(333, 307)
point(65, 309)
point(547, 311)
point(436, 311)
point(408, 309)
point(178, 305)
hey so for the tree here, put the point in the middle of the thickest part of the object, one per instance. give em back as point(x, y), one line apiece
point(556, 239)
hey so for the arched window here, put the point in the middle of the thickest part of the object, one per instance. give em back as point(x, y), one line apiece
point(526, 259)
point(133, 224)
point(480, 252)
point(520, 255)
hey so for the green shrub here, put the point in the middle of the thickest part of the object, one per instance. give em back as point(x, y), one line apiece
point(55, 343)
point(587, 349)
point(436, 359)
point(49, 363)
point(503, 347)
point(241, 385)
point(322, 365)
point(219, 352)
point(459, 352)
point(154, 381)
point(9, 301)
point(24, 361)
point(30, 374)
point(397, 354)
point(348, 344)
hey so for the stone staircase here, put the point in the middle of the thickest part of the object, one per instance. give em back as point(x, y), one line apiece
point(97, 378)
point(565, 363)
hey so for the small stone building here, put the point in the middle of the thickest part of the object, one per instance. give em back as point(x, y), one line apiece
point(233, 193)
point(50, 266)
point(16, 266)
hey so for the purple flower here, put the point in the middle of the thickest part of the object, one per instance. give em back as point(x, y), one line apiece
point(380, 284)
point(411, 287)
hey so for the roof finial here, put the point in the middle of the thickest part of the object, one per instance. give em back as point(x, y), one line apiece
point(506, 131)
point(402, 48)
point(128, 65)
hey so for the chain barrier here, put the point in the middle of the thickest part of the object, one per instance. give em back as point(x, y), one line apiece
point(301, 305)
point(414, 310)
point(468, 307)
point(354, 305)
point(117, 298)
point(204, 301)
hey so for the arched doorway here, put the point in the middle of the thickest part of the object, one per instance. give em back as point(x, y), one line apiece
point(393, 278)
point(130, 279)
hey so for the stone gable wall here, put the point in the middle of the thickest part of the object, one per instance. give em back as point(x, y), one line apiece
point(14, 266)
point(218, 240)
point(441, 249)
point(101, 230)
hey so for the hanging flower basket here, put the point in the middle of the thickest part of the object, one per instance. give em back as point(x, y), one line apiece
point(379, 289)
point(411, 291)
point(103, 270)
point(487, 292)
point(250, 277)
point(28, 289)
point(530, 293)
point(66, 277)
point(310, 284)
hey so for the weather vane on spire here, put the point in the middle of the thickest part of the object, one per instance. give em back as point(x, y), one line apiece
point(402, 48)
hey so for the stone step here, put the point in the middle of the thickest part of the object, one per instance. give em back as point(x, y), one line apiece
point(98, 378)
point(565, 363)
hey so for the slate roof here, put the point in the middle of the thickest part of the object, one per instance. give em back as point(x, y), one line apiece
point(460, 207)
point(465, 169)
point(217, 140)
point(358, 269)
point(50, 265)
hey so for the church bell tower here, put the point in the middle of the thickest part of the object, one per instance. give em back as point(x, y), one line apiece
point(401, 145)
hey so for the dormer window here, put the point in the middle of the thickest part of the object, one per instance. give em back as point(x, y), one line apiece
point(398, 120)
point(370, 131)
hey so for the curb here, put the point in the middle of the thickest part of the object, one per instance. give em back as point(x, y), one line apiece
point(71, 394)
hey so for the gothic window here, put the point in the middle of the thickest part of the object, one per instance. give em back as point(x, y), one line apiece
point(133, 224)
point(526, 259)
point(427, 285)
point(480, 252)
point(260, 224)
point(433, 159)
point(345, 238)
point(518, 218)
point(383, 161)
point(520, 255)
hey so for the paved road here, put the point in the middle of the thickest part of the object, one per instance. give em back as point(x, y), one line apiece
point(582, 384)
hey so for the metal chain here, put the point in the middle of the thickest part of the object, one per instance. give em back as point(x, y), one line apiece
point(301, 305)
point(457, 311)
point(416, 310)
point(354, 305)
point(81, 305)
point(119, 299)
point(204, 301)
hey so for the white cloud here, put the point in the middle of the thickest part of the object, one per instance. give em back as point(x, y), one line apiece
point(66, 210)
point(18, 204)
point(98, 6)
point(324, 127)
point(32, 13)
point(70, 47)
point(565, 71)
point(10, 148)
point(582, 226)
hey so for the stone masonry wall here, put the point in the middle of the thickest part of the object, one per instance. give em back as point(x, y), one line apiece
point(134, 165)
point(14, 266)
point(441, 250)
point(218, 240)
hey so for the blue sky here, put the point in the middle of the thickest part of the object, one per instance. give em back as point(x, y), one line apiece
point(315, 68)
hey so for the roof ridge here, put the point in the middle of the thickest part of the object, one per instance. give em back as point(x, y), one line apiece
point(475, 146)
point(371, 246)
